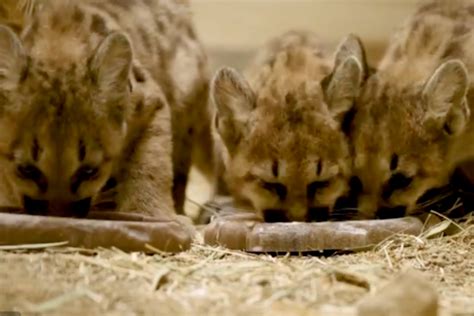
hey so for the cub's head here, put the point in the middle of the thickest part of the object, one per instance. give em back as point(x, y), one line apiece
point(61, 122)
point(402, 137)
point(287, 154)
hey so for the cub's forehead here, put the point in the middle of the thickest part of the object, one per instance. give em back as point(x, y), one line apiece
point(296, 143)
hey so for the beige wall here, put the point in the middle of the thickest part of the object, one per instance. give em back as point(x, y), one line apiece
point(232, 29)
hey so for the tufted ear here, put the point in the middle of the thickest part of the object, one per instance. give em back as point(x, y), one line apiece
point(445, 96)
point(234, 101)
point(343, 87)
point(110, 68)
point(13, 60)
point(352, 46)
point(111, 64)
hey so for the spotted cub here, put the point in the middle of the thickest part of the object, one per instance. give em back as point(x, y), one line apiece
point(281, 127)
point(413, 123)
point(91, 96)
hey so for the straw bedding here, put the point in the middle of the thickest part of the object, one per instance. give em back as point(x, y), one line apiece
point(216, 281)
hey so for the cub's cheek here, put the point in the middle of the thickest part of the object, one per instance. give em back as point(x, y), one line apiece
point(92, 188)
point(329, 195)
point(367, 205)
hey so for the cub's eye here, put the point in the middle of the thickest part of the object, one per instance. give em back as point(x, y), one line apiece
point(398, 181)
point(86, 173)
point(29, 172)
point(315, 186)
point(276, 188)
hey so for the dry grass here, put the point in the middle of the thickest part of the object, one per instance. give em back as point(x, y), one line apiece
point(216, 281)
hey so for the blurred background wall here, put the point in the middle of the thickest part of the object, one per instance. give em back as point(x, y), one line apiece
point(233, 29)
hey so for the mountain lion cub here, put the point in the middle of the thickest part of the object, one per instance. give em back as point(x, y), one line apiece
point(281, 127)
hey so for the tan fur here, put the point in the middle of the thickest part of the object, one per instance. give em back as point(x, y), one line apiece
point(286, 156)
point(415, 111)
point(107, 85)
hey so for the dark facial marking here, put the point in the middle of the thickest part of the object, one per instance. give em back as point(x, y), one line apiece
point(109, 185)
point(318, 214)
point(35, 207)
point(447, 129)
point(345, 208)
point(274, 216)
point(81, 208)
point(35, 150)
point(394, 162)
point(82, 150)
point(31, 173)
point(397, 182)
point(355, 185)
point(275, 168)
point(319, 168)
point(314, 187)
point(84, 173)
point(391, 212)
point(276, 188)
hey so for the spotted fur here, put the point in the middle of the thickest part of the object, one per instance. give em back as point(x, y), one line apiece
point(286, 155)
point(100, 101)
point(413, 123)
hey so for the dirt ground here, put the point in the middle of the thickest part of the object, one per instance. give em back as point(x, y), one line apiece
point(216, 281)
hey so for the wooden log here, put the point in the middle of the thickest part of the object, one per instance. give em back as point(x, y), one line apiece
point(247, 232)
point(127, 232)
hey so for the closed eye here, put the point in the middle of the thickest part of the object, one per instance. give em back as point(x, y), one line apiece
point(31, 173)
point(84, 173)
point(398, 181)
point(275, 188)
point(315, 186)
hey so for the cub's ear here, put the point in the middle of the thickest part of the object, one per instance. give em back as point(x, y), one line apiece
point(352, 46)
point(13, 60)
point(445, 96)
point(342, 87)
point(111, 64)
point(234, 101)
point(110, 68)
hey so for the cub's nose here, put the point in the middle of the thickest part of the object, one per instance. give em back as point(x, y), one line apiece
point(81, 208)
point(35, 207)
point(318, 214)
point(391, 212)
point(275, 216)
point(78, 209)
